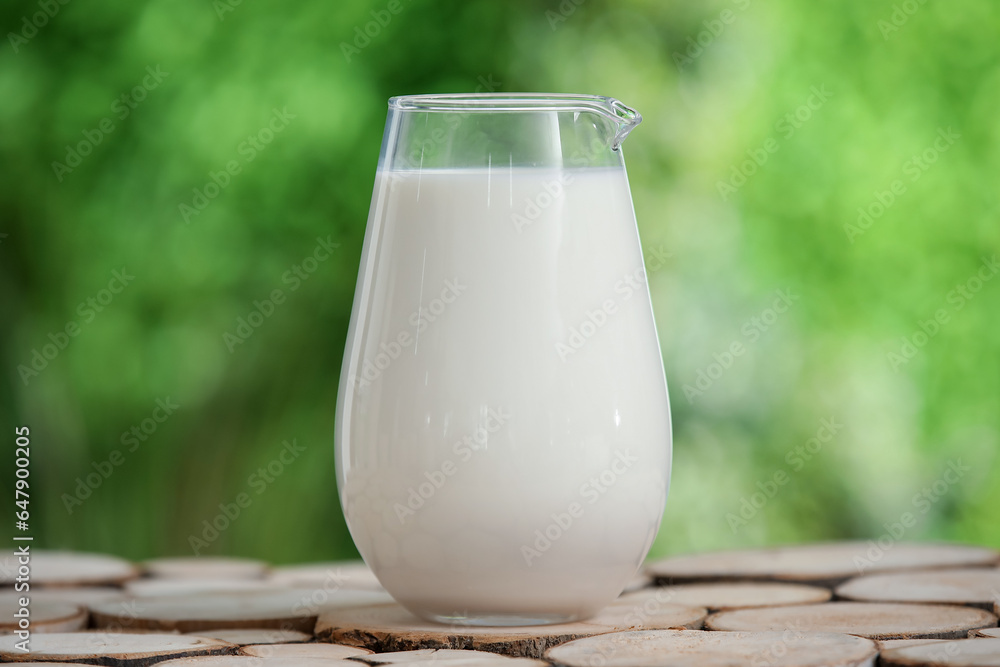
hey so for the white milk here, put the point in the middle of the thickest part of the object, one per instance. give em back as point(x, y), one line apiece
point(505, 450)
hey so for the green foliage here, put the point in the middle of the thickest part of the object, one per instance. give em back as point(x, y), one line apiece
point(792, 224)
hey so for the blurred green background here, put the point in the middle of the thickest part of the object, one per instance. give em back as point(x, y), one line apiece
point(767, 126)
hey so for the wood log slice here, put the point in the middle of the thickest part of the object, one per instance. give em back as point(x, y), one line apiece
point(65, 568)
point(672, 648)
point(985, 632)
point(821, 564)
point(325, 651)
point(977, 587)
point(965, 653)
point(331, 575)
point(208, 611)
point(81, 597)
point(453, 658)
point(250, 661)
point(248, 636)
point(637, 583)
point(886, 644)
point(385, 628)
point(110, 649)
point(874, 620)
point(620, 616)
point(43, 616)
point(205, 567)
point(150, 587)
point(719, 596)
point(286, 609)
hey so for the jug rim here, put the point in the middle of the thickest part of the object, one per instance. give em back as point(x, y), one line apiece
point(624, 117)
point(512, 102)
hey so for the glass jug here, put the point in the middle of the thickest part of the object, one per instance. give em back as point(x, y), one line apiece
point(503, 429)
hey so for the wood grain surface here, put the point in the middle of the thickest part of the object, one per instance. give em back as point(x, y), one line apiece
point(385, 628)
point(917, 603)
point(285, 609)
point(724, 595)
point(985, 632)
point(110, 649)
point(326, 651)
point(978, 587)
point(66, 568)
point(446, 656)
point(42, 615)
point(965, 653)
point(823, 564)
point(671, 648)
point(82, 596)
point(169, 586)
point(331, 575)
point(250, 661)
point(248, 636)
point(866, 619)
point(205, 567)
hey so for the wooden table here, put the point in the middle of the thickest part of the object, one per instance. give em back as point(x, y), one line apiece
point(839, 604)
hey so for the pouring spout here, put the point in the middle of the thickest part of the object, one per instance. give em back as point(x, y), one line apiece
point(627, 118)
